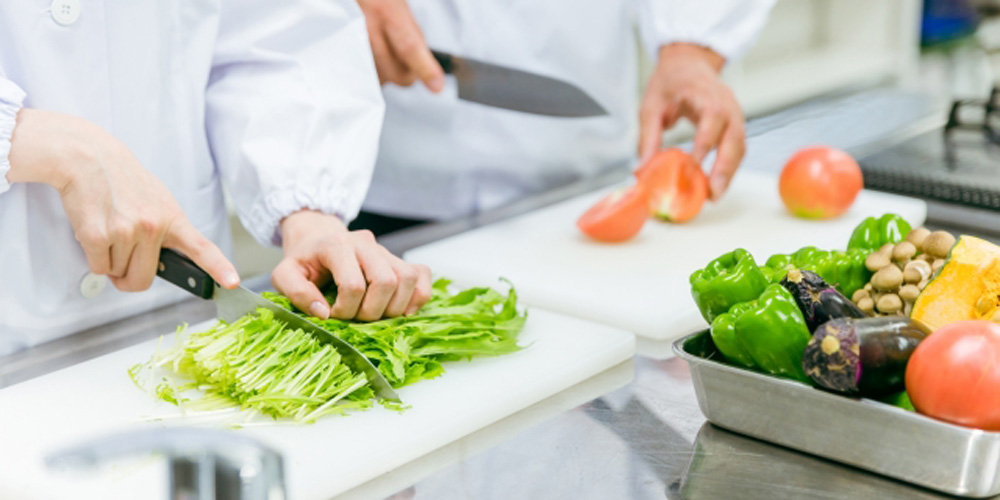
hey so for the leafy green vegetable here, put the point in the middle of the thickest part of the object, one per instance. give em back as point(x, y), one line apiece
point(474, 322)
point(258, 363)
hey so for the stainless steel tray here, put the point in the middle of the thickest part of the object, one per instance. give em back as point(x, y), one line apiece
point(860, 432)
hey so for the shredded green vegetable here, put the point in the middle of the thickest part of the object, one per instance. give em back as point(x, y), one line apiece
point(257, 363)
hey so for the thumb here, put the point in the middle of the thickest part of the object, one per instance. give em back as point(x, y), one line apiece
point(184, 237)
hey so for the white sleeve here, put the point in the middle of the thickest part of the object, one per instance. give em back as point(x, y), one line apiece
point(11, 101)
point(728, 27)
point(294, 109)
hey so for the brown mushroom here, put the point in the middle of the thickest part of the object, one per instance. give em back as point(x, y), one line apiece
point(903, 251)
point(877, 261)
point(939, 243)
point(888, 278)
point(889, 303)
point(886, 249)
point(859, 294)
point(916, 271)
point(937, 265)
point(909, 293)
point(866, 305)
point(917, 237)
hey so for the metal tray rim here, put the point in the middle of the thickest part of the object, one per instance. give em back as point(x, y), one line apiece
point(799, 386)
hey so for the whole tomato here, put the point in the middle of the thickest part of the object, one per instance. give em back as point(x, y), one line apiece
point(820, 183)
point(954, 375)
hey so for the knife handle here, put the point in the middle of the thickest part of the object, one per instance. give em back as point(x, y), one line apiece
point(444, 59)
point(182, 272)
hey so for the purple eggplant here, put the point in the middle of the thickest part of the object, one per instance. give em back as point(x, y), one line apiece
point(818, 301)
point(863, 356)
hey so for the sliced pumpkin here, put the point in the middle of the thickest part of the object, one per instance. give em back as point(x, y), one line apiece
point(967, 287)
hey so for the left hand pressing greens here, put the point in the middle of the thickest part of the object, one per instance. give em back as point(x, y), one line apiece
point(258, 364)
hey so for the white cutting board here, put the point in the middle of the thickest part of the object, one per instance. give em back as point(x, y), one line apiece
point(321, 460)
point(641, 285)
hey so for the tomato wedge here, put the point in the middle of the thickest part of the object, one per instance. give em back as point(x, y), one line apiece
point(618, 217)
point(677, 186)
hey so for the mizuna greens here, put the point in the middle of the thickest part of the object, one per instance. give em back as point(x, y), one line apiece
point(256, 363)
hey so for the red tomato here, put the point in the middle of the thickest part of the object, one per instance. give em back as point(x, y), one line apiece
point(954, 375)
point(677, 186)
point(820, 183)
point(618, 217)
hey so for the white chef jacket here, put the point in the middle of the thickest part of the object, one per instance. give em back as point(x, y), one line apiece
point(440, 157)
point(278, 100)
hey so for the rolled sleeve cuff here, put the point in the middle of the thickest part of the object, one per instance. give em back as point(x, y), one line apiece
point(11, 101)
point(264, 220)
point(725, 46)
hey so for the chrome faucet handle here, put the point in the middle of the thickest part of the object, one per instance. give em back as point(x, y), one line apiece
point(203, 464)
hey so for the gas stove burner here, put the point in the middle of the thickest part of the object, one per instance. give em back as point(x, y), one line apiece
point(957, 164)
point(988, 124)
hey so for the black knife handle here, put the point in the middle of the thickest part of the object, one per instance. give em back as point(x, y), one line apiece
point(182, 272)
point(444, 59)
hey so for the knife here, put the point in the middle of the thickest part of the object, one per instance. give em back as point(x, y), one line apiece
point(232, 305)
point(513, 89)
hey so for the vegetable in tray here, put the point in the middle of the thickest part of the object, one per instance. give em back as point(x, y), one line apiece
point(726, 281)
point(932, 347)
point(874, 232)
point(818, 301)
point(863, 356)
point(845, 270)
point(768, 334)
point(258, 364)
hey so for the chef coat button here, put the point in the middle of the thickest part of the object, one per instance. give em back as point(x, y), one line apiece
point(92, 285)
point(65, 12)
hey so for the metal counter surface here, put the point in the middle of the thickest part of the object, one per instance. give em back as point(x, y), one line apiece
point(648, 439)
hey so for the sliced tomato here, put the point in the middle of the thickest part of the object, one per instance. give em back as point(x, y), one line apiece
point(617, 217)
point(676, 184)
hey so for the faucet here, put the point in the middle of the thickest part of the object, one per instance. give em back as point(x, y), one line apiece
point(203, 464)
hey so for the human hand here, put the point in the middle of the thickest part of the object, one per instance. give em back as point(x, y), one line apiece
point(401, 54)
point(121, 214)
point(371, 282)
point(686, 83)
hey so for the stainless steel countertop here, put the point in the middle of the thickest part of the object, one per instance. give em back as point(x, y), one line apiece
point(647, 439)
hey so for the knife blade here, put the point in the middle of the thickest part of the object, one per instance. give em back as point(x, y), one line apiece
point(232, 304)
point(508, 88)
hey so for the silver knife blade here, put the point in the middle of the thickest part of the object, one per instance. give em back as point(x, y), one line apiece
point(233, 304)
point(517, 90)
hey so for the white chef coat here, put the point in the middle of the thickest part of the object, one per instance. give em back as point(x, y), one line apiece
point(278, 100)
point(440, 157)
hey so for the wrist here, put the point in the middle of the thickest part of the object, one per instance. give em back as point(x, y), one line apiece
point(691, 52)
point(50, 148)
point(297, 225)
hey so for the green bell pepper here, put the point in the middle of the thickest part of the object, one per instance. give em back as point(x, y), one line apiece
point(728, 280)
point(873, 233)
point(767, 334)
point(844, 270)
